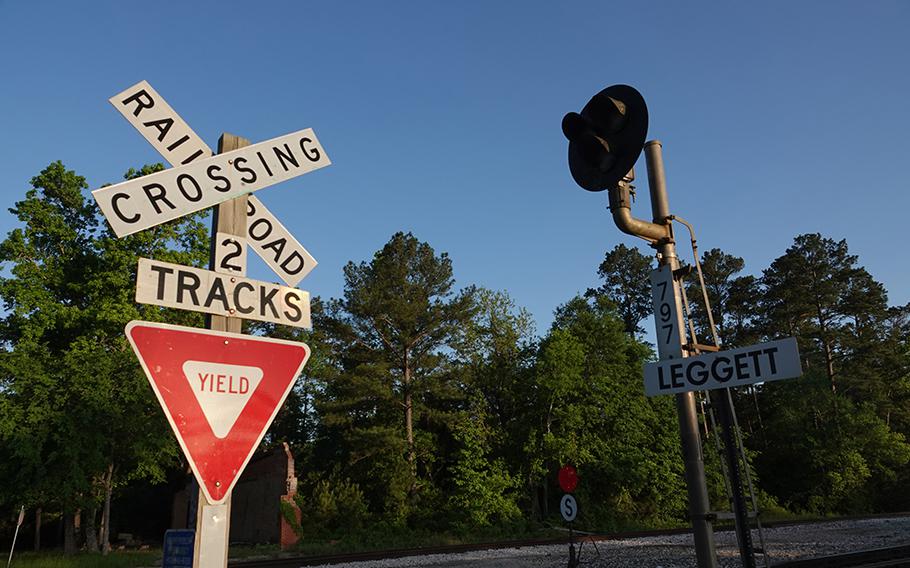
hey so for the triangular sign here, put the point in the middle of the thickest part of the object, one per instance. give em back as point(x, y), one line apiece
point(220, 392)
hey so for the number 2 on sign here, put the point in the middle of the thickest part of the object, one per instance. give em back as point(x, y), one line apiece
point(230, 254)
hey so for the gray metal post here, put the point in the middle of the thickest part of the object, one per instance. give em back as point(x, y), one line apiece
point(724, 400)
point(699, 506)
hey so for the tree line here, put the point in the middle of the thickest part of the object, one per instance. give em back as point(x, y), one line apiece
point(429, 406)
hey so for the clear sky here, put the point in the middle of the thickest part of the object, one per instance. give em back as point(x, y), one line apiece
point(443, 118)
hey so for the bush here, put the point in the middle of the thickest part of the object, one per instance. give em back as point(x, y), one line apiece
point(333, 507)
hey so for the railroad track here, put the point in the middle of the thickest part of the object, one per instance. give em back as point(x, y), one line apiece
point(877, 558)
point(293, 562)
point(873, 558)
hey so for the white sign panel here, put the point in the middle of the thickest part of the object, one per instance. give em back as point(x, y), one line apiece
point(144, 108)
point(667, 313)
point(199, 290)
point(150, 114)
point(568, 507)
point(230, 254)
point(275, 245)
point(772, 361)
point(138, 204)
point(222, 391)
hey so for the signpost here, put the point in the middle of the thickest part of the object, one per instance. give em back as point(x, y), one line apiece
point(275, 244)
point(568, 478)
point(150, 114)
point(667, 312)
point(177, 549)
point(605, 140)
point(12, 547)
point(220, 390)
point(568, 507)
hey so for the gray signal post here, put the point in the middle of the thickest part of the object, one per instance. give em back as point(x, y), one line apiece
point(699, 506)
point(605, 141)
point(213, 522)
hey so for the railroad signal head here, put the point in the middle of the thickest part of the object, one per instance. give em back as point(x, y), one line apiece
point(606, 137)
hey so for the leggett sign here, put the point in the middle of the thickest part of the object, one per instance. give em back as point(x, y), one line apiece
point(772, 361)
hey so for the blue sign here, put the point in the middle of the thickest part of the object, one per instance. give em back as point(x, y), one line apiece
point(178, 548)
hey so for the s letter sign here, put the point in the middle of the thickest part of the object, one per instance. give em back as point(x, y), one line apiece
point(760, 363)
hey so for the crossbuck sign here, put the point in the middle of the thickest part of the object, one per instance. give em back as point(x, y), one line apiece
point(168, 133)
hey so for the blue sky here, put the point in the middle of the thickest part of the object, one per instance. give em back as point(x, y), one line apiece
point(443, 118)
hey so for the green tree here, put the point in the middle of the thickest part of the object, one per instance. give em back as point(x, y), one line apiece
point(836, 430)
point(593, 413)
point(394, 391)
point(496, 352)
point(79, 418)
point(829, 456)
point(816, 293)
point(626, 274)
point(483, 489)
point(732, 298)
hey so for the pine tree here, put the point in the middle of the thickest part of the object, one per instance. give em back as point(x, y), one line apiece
point(816, 293)
point(626, 274)
point(732, 299)
point(394, 390)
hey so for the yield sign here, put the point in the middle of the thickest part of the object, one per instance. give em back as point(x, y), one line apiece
point(219, 391)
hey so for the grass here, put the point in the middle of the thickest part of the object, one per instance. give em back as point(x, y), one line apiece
point(384, 537)
point(118, 559)
point(378, 536)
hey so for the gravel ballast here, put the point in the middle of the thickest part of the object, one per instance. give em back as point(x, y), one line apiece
point(677, 551)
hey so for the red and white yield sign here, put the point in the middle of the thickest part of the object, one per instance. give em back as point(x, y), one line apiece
point(220, 392)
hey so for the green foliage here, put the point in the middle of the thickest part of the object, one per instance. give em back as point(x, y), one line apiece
point(332, 507)
point(425, 409)
point(119, 559)
point(390, 392)
point(626, 275)
point(483, 492)
point(816, 293)
point(838, 455)
point(593, 414)
point(74, 400)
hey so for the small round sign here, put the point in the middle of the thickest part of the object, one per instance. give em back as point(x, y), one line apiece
point(568, 478)
point(568, 507)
